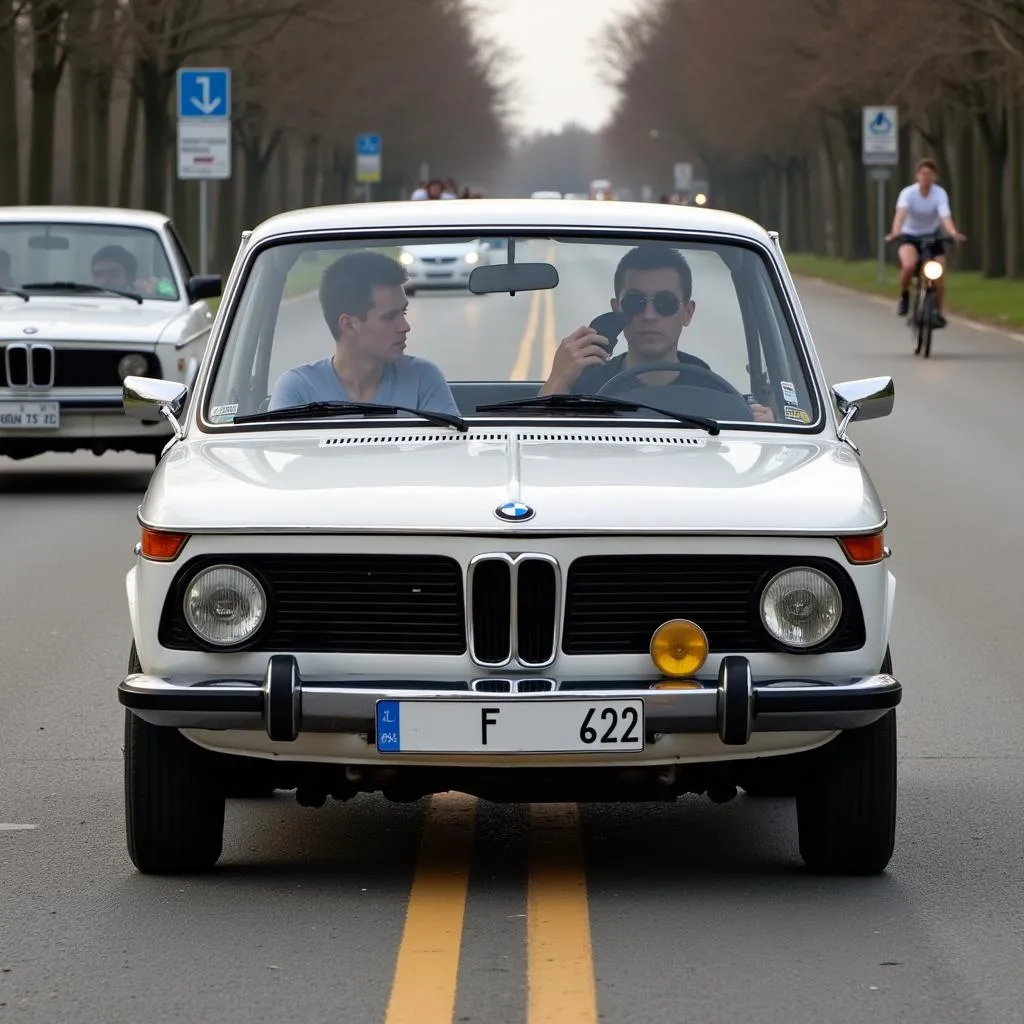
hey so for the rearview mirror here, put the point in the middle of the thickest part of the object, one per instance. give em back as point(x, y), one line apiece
point(206, 286)
point(49, 242)
point(146, 398)
point(512, 278)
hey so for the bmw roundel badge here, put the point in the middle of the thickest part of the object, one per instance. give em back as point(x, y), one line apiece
point(514, 512)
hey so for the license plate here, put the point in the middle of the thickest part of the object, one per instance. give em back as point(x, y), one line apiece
point(29, 415)
point(443, 726)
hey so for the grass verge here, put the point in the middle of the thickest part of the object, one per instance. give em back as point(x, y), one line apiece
point(999, 302)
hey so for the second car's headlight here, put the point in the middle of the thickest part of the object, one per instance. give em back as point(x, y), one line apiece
point(801, 607)
point(132, 365)
point(224, 605)
point(406, 259)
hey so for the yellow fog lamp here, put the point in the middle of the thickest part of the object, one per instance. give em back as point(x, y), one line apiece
point(932, 270)
point(679, 648)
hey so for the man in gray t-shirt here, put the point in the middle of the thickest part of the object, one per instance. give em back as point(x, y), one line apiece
point(364, 305)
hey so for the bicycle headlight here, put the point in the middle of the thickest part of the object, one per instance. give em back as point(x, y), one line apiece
point(224, 605)
point(801, 607)
point(932, 270)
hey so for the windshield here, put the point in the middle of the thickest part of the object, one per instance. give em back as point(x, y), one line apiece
point(105, 255)
point(691, 328)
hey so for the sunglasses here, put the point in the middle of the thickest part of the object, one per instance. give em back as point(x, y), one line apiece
point(633, 303)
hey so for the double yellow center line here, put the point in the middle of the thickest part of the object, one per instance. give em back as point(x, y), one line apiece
point(560, 973)
point(528, 342)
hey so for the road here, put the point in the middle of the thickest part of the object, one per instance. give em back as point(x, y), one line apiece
point(648, 914)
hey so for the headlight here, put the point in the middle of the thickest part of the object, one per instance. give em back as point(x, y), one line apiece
point(472, 257)
point(132, 365)
point(224, 605)
point(801, 607)
point(406, 259)
point(932, 270)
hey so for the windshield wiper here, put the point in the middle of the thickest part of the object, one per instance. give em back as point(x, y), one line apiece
point(599, 403)
point(15, 291)
point(316, 409)
point(81, 286)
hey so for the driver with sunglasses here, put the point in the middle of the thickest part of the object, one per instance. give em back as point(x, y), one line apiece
point(653, 286)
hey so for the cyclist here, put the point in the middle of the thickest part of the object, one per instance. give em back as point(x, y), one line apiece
point(921, 210)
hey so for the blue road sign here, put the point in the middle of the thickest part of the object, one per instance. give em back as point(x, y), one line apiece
point(368, 144)
point(204, 93)
point(880, 124)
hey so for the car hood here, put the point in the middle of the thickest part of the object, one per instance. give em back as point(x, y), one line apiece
point(576, 481)
point(85, 318)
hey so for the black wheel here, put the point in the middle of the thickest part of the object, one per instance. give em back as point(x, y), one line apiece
point(846, 808)
point(924, 324)
point(174, 798)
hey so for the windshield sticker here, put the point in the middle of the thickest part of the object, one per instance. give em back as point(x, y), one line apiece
point(165, 287)
point(224, 413)
point(788, 392)
point(800, 415)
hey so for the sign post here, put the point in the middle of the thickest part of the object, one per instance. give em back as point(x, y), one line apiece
point(204, 138)
point(682, 177)
point(368, 160)
point(880, 151)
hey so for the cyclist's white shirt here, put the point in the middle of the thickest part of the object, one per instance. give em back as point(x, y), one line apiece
point(924, 213)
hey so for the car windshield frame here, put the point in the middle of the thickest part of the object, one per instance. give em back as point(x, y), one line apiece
point(158, 233)
point(347, 238)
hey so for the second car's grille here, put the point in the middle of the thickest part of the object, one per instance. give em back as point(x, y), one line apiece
point(74, 367)
point(614, 603)
point(354, 604)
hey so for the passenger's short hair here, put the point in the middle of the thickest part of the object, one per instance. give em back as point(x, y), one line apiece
point(655, 256)
point(118, 254)
point(928, 163)
point(347, 285)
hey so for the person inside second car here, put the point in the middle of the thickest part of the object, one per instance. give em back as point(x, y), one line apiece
point(653, 285)
point(364, 305)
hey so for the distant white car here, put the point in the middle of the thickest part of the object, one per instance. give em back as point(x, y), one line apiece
point(669, 577)
point(443, 265)
point(545, 195)
point(88, 297)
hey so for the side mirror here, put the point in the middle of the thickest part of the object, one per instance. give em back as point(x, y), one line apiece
point(206, 286)
point(145, 398)
point(868, 399)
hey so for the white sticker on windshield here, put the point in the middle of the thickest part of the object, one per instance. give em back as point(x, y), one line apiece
point(788, 392)
point(220, 413)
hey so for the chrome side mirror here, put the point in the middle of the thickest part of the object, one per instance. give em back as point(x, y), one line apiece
point(867, 399)
point(145, 398)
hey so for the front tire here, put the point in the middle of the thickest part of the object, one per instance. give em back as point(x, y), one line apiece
point(174, 798)
point(924, 325)
point(846, 809)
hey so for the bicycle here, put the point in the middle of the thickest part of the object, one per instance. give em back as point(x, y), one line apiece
point(921, 318)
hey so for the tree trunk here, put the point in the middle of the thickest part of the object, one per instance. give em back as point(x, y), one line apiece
point(102, 95)
point(993, 128)
point(48, 66)
point(128, 145)
point(284, 166)
point(10, 172)
point(310, 172)
point(155, 88)
point(82, 108)
point(226, 233)
point(1014, 117)
point(856, 228)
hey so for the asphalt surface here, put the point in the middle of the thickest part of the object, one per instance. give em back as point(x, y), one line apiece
point(689, 913)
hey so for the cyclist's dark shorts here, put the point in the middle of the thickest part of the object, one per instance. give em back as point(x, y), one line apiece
point(938, 247)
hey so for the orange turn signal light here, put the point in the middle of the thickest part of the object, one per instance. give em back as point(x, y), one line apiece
point(161, 546)
point(864, 550)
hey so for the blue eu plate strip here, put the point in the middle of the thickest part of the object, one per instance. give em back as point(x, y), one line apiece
point(388, 733)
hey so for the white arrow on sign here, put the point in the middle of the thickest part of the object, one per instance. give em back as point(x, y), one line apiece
point(205, 105)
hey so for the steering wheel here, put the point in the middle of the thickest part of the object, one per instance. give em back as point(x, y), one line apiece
point(700, 378)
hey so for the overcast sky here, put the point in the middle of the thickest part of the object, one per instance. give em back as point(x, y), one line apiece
point(555, 45)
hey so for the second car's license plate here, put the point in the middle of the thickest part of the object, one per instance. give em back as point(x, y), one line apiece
point(29, 415)
point(540, 726)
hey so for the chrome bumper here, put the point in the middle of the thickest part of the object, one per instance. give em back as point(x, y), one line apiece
point(284, 704)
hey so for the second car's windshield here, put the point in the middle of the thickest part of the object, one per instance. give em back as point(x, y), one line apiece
point(109, 256)
point(451, 324)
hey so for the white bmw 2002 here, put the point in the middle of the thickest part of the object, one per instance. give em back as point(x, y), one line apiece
point(88, 297)
point(436, 548)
